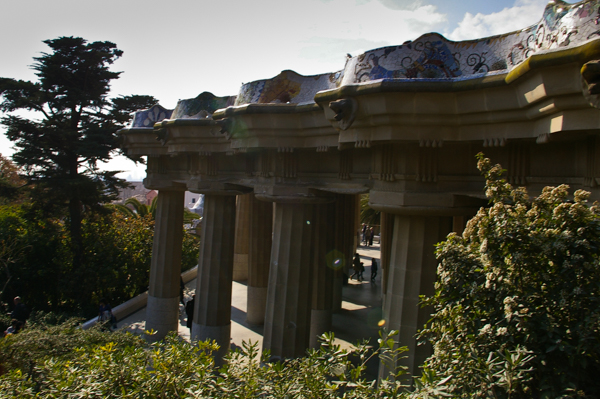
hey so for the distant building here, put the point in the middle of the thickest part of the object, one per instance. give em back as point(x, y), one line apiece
point(137, 190)
point(145, 196)
point(150, 196)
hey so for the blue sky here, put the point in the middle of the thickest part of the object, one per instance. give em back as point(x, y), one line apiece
point(178, 49)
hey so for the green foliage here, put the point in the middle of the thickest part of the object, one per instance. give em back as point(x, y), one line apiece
point(61, 361)
point(47, 337)
point(32, 256)
point(35, 261)
point(142, 210)
point(10, 181)
point(517, 304)
point(368, 215)
point(72, 130)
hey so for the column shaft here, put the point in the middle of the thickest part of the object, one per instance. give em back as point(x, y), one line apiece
point(287, 318)
point(345, 221)
point(242, 228)
point(387, 231)
point(325, 262)
point(412, 272)
point(212, 313)
point(162, 310)
point(259, 253)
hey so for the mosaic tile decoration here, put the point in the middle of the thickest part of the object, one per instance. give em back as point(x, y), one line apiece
point(287, 87)
point(433, 57)
point(148, 117)
point(201, 107)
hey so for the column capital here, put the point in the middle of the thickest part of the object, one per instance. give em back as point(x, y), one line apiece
point(216, 188)
point(425, 204)
point(164, 185)
point(292, 194)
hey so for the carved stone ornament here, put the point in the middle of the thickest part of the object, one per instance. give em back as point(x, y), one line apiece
point(162, 135)
point(345, 111)
point(226, 128)
point(590, 82)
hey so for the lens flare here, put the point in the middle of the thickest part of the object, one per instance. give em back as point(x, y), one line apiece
point(335, 260)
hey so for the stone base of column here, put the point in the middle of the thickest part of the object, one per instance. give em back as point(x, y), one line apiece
point(162, 316)
point(257, 302)
point(220, 334)
point(240, 267)
point(320, 322)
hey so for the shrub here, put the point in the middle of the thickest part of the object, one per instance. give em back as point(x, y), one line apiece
point(517, 302)
point(63, 361)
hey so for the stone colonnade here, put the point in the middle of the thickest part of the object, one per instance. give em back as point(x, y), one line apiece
point(298, 254)
point(411, 145)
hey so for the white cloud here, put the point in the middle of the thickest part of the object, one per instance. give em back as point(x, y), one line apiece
point(337, 29)
point(402, 4)
point(521, 15)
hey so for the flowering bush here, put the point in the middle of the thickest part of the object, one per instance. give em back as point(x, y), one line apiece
point(517, 303)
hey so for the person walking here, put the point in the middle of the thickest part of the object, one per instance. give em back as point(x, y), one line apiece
point(371, 236)
point(364, 234)
point(356, 266)
point(189, 311)
point(373, 269)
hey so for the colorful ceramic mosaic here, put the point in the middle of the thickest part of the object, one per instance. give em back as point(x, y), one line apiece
point(287, 87)
point(433, 57)
point(202, 106)
point(148, 117)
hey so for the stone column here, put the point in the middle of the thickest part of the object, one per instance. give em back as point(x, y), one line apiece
point(242, 226)
point(458, 224)
point(412, 272)
point(325, 262)
point(212, 312)
point(259, 254)
point(287, 318)
point(162, 310)
point(345, 216)
point(387, 231)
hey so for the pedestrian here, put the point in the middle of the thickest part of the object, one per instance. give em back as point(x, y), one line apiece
point(105, 314)
point(189, 311)
point(20, 311)
point(373, 269)
point(362, 270)
point(356, 266)
point(371, 236)
point(364, 234)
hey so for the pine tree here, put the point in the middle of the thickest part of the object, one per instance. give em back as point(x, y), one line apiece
point(72, 128)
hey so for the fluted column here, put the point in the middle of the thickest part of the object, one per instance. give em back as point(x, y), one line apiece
point(412, 272)
point(212, 313)
point(242, 227)
point(287, 318)
point(162, 310)
point(259, 254)
point(345, 223)
point(386, 234)
point(325, 262)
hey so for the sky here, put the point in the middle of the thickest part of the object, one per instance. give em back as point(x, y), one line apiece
point(181, 48)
